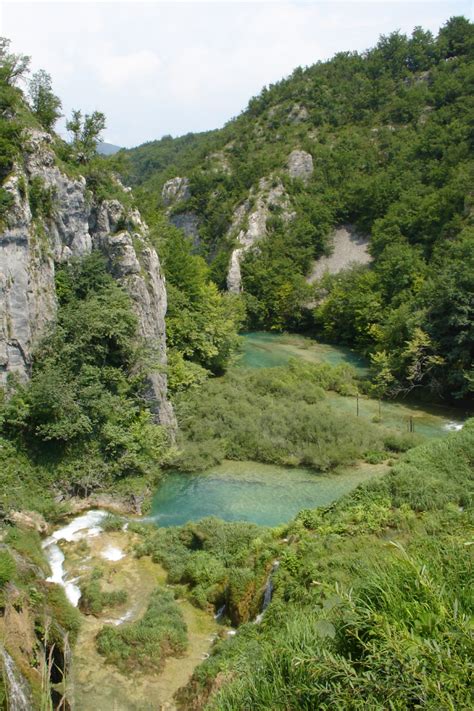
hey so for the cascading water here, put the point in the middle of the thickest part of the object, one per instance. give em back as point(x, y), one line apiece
point(19, 698)
point(267, 593)
point(83, 526)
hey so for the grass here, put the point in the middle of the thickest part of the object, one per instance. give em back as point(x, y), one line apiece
point(278, 416)
point(372, 602)
point(145, 644)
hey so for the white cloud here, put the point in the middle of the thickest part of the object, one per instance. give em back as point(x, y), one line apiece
point(120, 70)
point(173, 67)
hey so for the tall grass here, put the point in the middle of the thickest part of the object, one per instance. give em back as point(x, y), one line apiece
point(279, 416)
point(373, 602)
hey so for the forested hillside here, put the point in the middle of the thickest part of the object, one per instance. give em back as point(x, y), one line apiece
point(386, 142)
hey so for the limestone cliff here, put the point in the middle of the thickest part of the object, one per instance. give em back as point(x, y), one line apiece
point(175, 191)
point(76, 224)
point(249, 223)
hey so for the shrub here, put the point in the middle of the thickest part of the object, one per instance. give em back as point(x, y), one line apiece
point(160, 633)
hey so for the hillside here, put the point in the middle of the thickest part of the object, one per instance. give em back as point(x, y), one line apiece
point(380, 142)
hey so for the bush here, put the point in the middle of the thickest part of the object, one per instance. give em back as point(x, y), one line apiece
point(145, 644)
point(93, 600)
point(7, 567)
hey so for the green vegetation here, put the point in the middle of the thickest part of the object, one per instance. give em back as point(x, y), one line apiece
point(202, 323)
point(93, 600)
point(82, 416)
point(217, 563)
point(44, 104)
point(280, 416)
point(371, 604)
point(389, 133)
point(34, 610)
point(145, 644)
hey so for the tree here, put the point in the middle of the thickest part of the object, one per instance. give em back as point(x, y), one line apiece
point(12, 66)
point(85, 133)
point(44, 104)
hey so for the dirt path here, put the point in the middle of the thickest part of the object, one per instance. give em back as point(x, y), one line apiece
point(97, 686)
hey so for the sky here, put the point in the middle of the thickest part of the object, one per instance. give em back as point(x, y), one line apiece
point(157, 68)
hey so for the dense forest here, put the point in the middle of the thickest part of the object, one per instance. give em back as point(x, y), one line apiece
point(390, 134)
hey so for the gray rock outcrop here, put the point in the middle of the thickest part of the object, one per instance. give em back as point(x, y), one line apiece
point(348, 246)
point(175, 191)
point(30, 248)
point(300, 165)
point(249, 224)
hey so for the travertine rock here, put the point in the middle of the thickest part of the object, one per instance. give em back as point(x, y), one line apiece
point(175, 190)
point(250, 219)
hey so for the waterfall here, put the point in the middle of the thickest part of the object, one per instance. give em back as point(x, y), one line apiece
point(220, 613)
point(267, 593)
point(18, 693)
point(86, 525)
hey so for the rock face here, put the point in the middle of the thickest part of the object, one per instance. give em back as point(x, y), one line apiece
point(250, 224)
point(348, 248)
point(30, 248)
point(300, 165)
point(175, 191)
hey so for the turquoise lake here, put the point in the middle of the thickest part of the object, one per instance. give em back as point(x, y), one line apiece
point(270, 495)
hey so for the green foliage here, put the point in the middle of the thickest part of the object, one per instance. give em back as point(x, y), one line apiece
point(220, 563)
point(85, 132)
point(44, 104)
point(371, 602)
point(112, 523)
point(83, 407)
point(41, 198)
point(93, 600)
point(389, 132)
point(12, 66)
point(275, 415)
point(202, 324)
point(7, 567)
point(160, 633)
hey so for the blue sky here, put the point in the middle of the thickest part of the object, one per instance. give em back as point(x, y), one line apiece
point(158, 68)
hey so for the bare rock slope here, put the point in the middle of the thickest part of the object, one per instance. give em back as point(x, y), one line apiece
point(348, 248)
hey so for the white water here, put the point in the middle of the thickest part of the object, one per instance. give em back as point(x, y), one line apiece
point(17, 687)
point(453, 426)
point(268, 592)
point(113, 553)
point(84, 526)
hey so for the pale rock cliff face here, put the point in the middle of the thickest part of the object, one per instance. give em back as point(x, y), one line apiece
point(348, 247)
point(300, 165)
point(250, 223)
point(29, 250)
point(174, 191)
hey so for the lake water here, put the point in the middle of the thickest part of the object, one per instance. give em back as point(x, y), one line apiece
point(267, 350)
point(270, 495)
point(249, 491)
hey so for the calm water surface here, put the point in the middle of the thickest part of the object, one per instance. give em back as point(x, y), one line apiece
point(250, 491)
point(270, 495)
